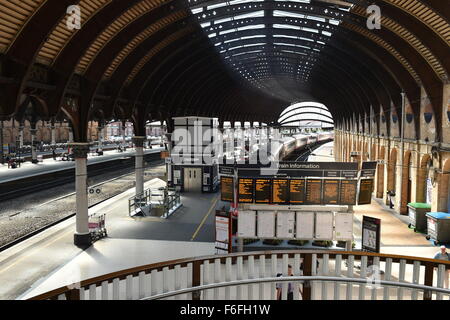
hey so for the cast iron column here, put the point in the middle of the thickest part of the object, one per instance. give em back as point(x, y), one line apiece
point(33, 145)
point(82, 237)
point(139, 147)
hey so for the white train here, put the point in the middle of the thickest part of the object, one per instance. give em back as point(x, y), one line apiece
point(289, 144)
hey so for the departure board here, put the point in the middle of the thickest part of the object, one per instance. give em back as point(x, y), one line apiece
point(262, 190)
point(297, 189)
point(313, 191)
point(347, 192)
point(227, 188)
point(280, 194)
point(365, 191)
point(331, 192)
point(245, 188)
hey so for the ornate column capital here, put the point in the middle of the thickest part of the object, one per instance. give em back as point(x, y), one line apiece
point(139, 141)
point(80, 150)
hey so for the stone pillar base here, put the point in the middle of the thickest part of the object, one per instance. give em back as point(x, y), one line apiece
point(82, 240)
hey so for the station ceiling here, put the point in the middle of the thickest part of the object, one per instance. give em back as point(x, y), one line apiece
point(237, 60)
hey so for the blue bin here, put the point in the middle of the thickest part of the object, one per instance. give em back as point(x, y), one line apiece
point(438, 225)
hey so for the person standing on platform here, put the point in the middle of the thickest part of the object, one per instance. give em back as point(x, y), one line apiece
point(279, 286)
point(444, 255)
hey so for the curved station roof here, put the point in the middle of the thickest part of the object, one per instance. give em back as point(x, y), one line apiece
point(237, 60)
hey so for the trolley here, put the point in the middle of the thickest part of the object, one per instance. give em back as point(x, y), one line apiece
point(97, 227)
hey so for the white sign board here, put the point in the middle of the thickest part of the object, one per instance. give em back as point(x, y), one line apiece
point(305, 225)
point(324, 226)
point(266, 224)
point(222, 229)
point(285, 224)
point(343, 226)
point(247, 224)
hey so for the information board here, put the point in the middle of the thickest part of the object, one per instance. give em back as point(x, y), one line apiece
point(245, 190)
point(247, 224)
point(227, 189)
point(305, 226)
point(297, 191)
point(263, 190)
point(371, 234)
point(347, 192)
point(285, 224)
point(331, 192)
point(313, 191)
point(365, 191)
point(324, 226)
point(266, 224)
point(343, 226)
point(280, 194)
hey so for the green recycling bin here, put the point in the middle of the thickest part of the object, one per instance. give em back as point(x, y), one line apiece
point(417, 215)
point(438, 225)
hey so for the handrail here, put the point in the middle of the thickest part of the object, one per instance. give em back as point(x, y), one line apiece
point(197, 261)
point(294, 279)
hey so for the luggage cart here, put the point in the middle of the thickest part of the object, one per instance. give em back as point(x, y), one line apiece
point(97, 227)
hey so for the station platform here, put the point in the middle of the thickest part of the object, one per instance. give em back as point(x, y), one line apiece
point(323, 153)
point(130, 242)
point(29, 169)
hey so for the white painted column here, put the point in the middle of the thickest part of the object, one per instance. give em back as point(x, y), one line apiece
point(33, 145)
point(53, 135)
point(123, 135)
point(70, 135)
point(139, 147)
point(81, 237)
point(1, 142)
point(20, 137)
point(100, 137)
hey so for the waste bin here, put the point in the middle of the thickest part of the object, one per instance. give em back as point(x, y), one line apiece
point(417, 215)
point(438, 225)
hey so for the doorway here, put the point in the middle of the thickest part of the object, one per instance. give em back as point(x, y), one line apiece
point(192, 179)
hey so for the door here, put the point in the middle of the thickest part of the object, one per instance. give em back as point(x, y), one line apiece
point(192, 179)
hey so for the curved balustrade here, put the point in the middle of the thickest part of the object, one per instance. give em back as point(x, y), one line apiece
point(317, 275)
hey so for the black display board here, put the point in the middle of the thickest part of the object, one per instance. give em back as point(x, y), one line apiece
point(298, 191)
point(347, 192)
point(263, 190)
point(371, 234)
point(368, 169)
point(227, 189)
point(331, 192)
point(365, 191)
point(246, 190)
point(280, 191)
point(314, 191)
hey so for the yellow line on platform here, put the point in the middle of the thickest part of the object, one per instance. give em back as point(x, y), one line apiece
point(205, 217)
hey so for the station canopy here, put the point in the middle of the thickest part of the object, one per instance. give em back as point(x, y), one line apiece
point(241, 60)
point(306, 115)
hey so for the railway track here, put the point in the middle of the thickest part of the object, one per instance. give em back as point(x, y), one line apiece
point(67, 216)
point(13, 189)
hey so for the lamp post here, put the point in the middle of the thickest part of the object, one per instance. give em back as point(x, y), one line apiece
point(402, 150)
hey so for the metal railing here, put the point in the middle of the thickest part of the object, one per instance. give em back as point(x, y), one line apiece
point(317, 275)
point(303, 280)
point(167, 200)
